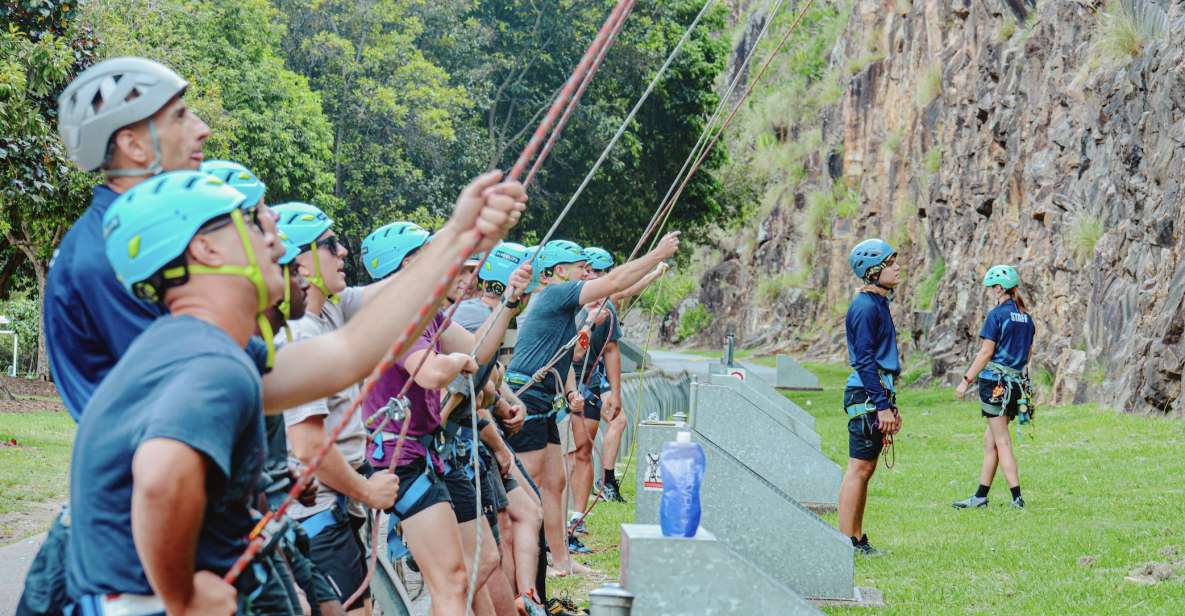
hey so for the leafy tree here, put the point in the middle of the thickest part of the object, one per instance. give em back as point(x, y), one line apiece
point(41, 191)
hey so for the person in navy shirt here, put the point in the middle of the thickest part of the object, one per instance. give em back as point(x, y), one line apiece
point(1007, 341)
point(870, 395)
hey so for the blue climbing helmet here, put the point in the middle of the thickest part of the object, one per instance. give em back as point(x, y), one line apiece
point(598, 258)
point(1003, 275)
point(504, 259)
point(558, 252)
point(869, 254)
point(303, 223)
point(384, 250)
point(291, 249)
point(148, 228)
point(238, 177)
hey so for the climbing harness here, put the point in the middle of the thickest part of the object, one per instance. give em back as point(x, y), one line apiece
point(1006, 377)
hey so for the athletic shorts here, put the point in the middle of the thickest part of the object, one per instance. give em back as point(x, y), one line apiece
point(992, 405)
point(462, 493)
point(865, 439)
point(308, 577)
point(335, 552)
point(493, 494)
point(537, 432)
point(592, 406)
point(408, 474)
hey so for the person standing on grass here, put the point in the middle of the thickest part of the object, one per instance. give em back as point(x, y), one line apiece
point(870, 396)
point(1007, 336)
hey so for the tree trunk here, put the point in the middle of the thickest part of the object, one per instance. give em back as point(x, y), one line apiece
point(41, 270)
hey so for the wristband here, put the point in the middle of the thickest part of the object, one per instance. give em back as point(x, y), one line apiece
point(968, 380)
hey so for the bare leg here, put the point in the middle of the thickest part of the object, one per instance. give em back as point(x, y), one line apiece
point(434, 539)
point(1003, 440)
point(552, 486)
point(482, 604)
point(612, 440)
point(584, 433)
point(987, 474)
point(853, 494)
point(526, 515)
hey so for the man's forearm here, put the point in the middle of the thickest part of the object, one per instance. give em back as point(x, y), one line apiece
point(335, 471)
point(637, 287)
point(613, 368)
point(167, 514)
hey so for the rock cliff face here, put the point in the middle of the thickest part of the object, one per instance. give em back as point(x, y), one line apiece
point(1032, 151)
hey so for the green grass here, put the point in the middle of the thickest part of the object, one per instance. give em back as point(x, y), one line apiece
point(1085, 232)
point(35, 470)
point(1098, 484)
point(928, 289)
point(1007, 29)
point(929, 86)
point(1126, 28)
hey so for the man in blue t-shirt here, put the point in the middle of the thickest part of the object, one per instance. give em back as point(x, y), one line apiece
point(89, 319)
point(870, 397)
point(541, 370)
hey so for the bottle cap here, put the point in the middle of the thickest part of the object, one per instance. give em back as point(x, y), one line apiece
point(683, 437)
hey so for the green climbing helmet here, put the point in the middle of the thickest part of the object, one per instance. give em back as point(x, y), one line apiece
point(1002, 275)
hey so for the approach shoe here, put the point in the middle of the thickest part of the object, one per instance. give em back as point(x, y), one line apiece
point(971, 502)
point(610, 492)
point(564, 606)
point(580, 529)
point(576, 547)
point(862, 546)
point(1018, 503)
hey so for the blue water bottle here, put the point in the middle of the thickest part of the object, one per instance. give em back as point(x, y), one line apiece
point(682, 466)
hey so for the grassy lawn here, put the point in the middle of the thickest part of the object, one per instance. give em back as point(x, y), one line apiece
point(1104, 491)
point(33, 473)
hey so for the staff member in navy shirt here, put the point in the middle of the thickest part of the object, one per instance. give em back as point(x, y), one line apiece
point(1007, 335)
point(870, 395)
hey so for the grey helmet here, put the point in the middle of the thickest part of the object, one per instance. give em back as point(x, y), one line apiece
point(107, 97)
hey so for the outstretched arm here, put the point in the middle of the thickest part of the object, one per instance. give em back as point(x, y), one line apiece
point(318, 367)
point(638, 287)
point(629, 273)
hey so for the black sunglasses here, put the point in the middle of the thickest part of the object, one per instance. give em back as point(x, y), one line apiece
point(251, 214)
point(330, 243)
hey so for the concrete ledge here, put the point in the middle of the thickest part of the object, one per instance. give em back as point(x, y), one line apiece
point(865, 597)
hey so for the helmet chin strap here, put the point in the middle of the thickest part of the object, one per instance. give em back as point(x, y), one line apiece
point(153, 168)
point(285, 305)
point(251, 272)
point(317, 280)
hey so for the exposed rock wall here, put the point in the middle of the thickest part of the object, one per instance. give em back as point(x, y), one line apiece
point(1035, 146)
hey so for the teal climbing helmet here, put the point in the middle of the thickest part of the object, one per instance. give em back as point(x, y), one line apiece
point(384, 250)
point(148, 227)
point(869, 254)
point(238, 177)
point(558, 252)
point(303, 223)
point(1002, 275)
point(598, 258)
point(504, 259)
point(291, 249)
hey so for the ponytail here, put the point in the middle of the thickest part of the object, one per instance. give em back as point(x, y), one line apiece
point(1020, 301)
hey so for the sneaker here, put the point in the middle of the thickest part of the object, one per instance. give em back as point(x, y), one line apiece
point(580, 528)
point(1018, 503)
point(862, 546)
point(971, 502)
point(576, 547)
point(610, 492)
point(563, 607)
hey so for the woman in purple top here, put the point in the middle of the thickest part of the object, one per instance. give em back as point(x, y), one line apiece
point(437, 505)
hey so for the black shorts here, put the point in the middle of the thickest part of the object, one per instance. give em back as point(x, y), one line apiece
point(538, 430)
point(592, 406)
point(992, 405)
point(462, 494)
point(308, 577)
point(493, 493)
point(865, 439)
point(335, 552)
point(408, 475)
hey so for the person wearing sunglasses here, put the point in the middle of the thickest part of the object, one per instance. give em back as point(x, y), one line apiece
point(870, 395)
point(333, 521)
